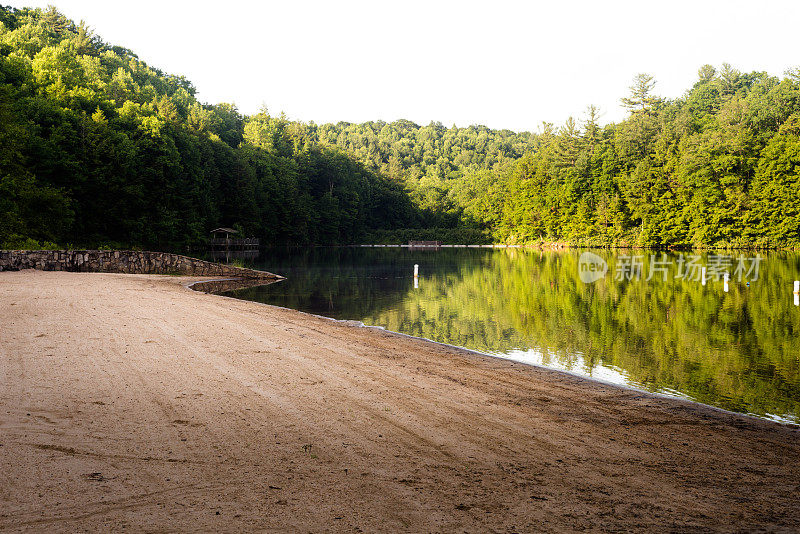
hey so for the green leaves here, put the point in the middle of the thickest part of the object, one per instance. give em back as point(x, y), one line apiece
point(715, 168)
point(28, 209)
point(640, 98)
point(123, 153)
point(117, 151)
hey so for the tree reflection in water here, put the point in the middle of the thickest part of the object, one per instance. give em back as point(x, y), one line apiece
point(739, 350)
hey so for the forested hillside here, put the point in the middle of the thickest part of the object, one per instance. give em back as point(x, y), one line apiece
point(99, 149)
point(441, 167)
point(717, 167)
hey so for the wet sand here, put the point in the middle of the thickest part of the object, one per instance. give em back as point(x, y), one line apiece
point(131, 402)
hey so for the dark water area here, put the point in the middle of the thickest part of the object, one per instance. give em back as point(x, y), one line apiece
point(639, 318)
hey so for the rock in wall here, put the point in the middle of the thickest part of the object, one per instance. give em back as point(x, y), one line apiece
point(122, 261)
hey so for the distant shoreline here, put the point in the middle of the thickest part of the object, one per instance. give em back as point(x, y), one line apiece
point(555, 245)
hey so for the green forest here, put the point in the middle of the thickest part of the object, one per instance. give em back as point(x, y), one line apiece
point(99, 149)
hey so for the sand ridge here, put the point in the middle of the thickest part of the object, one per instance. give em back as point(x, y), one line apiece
point(129, 401)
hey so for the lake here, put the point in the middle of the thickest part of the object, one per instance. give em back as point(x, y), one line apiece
point(660, 322)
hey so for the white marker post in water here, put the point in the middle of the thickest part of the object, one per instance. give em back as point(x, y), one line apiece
point(416, 276)
point(797, 292)
point(725, 285)
point(703, 275)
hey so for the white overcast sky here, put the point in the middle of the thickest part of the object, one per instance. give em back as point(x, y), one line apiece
point(503, 64)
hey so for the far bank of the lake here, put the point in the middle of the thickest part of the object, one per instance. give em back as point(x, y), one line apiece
point(565, 245)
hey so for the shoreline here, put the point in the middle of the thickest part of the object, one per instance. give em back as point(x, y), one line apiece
point(626, 387)
point(131, 402)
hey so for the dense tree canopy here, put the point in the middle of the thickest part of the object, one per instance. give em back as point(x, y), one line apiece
point(98, 148)
point(716, 167)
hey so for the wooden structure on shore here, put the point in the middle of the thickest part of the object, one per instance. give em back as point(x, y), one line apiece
point(223, 245)
point(222, 240)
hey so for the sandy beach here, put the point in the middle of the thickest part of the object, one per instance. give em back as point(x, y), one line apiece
point(131, 402)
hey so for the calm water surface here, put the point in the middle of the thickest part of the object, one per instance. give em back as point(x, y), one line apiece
point(737, 349)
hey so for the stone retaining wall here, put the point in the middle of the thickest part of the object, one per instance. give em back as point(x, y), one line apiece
point(122, 261)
